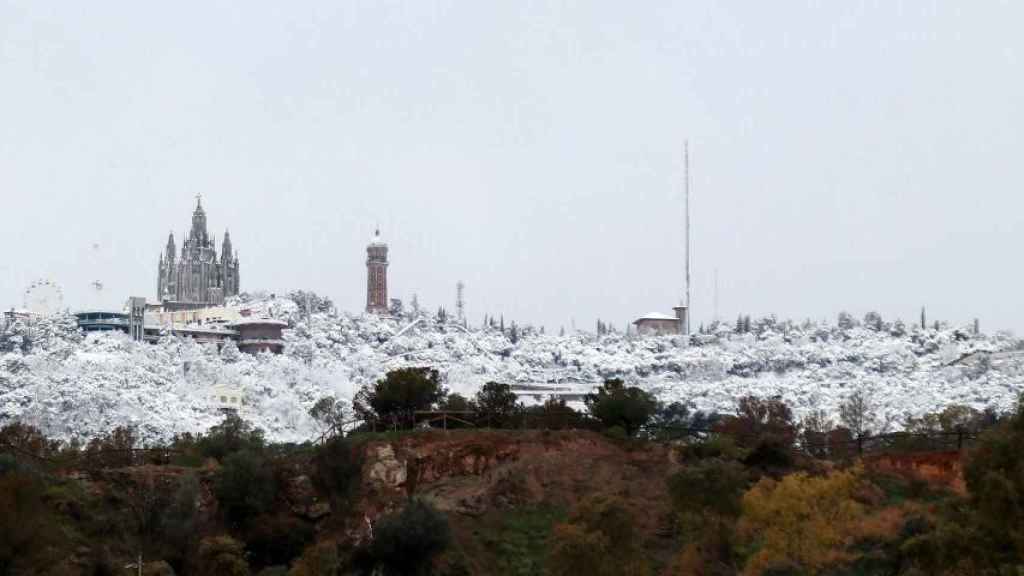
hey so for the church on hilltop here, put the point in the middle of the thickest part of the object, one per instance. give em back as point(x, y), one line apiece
point(198, 277)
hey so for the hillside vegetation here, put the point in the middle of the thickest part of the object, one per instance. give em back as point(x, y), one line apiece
point(68, 385)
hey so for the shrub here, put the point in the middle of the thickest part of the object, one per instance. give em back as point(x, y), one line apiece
point(615, 404)
point(709, 487)
point(221, 556)
point(405, 543)
point(553, 414)
point(318, 560)
point(245, 486)
point(399, 395)
point(274, 540)
point(598, 540)
point(717, 446)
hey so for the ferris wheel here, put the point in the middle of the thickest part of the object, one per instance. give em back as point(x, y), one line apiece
point(43, 297)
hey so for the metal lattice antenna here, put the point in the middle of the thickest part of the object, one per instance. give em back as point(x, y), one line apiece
point(460, 303)
point(686, 175)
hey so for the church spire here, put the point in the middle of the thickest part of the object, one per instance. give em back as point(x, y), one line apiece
point(225, 250)
point(199, 221)
point(170, 246)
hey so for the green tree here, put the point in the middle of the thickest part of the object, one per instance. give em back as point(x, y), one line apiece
point(25, 533)
point(245, 485)
point(615, 404)
point(994, 474)
point(232, 435)
point(498, 403)
point(399, 395)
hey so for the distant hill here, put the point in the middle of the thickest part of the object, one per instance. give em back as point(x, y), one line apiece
point(73, 386)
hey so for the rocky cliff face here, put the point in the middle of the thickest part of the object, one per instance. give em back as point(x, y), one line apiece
point(470, 473)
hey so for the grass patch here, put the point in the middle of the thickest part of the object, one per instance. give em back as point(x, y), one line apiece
point(519, 539)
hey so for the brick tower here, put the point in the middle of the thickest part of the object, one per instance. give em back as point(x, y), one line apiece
point(377, 275)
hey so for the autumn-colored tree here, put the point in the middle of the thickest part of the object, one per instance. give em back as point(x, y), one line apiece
point(598, 540)
point(801, 521)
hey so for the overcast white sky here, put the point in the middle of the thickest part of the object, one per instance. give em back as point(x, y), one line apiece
point(846, 155)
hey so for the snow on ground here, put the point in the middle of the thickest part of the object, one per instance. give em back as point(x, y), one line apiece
point(74, 386)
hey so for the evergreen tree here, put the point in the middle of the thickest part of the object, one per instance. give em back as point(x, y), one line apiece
point(924, 323)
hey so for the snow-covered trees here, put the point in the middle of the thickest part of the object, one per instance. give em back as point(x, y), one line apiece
point(73, 386)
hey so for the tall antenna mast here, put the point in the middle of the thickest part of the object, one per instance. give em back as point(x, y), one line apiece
point(460, 304)
point(716, 295)
point(686, 173)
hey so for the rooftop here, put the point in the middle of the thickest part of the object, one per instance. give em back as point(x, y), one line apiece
point(656, 316)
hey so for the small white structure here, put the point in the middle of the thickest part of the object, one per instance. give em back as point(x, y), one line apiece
point(658, 324)
point(226, 397)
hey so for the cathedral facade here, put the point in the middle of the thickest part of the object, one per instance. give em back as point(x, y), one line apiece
point(198, 276)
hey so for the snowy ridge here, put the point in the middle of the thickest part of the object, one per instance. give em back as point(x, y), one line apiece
point(72, 386)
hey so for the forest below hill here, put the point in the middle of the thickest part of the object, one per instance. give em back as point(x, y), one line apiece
point(755, 492)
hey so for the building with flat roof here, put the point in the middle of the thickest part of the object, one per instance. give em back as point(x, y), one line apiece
point(212, 326)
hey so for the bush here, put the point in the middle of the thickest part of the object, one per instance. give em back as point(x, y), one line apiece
point(273, 540)
point(399, 395)
point(553, 414)
point(405, 543)
point(221, 556)
point(337, 467)
point(318, 560)
point(245, 486)
point(717, 446)
point(709, 487)
point(614, 404)
point(598, 540)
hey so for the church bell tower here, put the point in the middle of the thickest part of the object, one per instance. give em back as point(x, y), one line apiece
point(377, 275)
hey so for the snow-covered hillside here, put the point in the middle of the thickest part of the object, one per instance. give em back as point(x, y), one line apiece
point(70, 385)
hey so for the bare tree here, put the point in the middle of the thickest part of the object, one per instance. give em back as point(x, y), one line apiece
point(855, 414)
point(329, 414)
